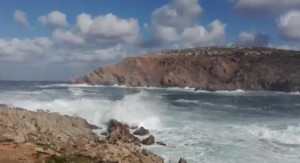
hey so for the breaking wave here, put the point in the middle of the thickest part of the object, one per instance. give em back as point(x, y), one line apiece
point(136, 109)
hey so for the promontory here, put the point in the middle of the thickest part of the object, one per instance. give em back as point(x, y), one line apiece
point(209, 68)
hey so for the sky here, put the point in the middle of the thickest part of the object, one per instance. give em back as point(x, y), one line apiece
point(58, 40)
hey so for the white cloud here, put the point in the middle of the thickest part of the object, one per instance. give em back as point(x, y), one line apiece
point(18, 50)
point(96, 39)
point(258, 7)
point(21, 18)
point(246, 37)
point(178, 13)
point(253, 39)
point(178, 23)
point(96, 55)
point(109, 27)
point(67, 38)
point(288, 47)
point(289, 25)
point(54, 20)
point(199, 35)
point(100, 32)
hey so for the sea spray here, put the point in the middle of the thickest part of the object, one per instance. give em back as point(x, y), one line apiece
point(139, 109)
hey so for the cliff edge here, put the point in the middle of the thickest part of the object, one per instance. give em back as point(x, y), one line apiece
point(211, 68)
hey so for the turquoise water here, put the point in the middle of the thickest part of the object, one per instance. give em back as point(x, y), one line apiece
point(225, 127)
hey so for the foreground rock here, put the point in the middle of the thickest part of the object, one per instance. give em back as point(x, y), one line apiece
point(120, 133)
point(149, 140)
point(141, 131)
point(181, 160)
point(210, 68)
point(29, 137)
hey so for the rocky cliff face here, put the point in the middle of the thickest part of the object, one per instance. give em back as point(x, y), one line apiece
point(211, 68)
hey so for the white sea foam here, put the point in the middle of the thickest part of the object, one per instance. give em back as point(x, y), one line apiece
point(187, 101)
point(70, 85)
point(289, 135)
point(136, 109)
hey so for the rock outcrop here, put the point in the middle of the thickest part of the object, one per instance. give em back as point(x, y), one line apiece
point(30, 137)
point(149, 140)
point(120, 133)
point(141, 131)
point(212, 68)
point(182, 160)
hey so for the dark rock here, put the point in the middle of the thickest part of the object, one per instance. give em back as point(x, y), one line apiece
point(181, 160)
point(119, 132)
point(134, 127)
point(104, 134)
point(149, 140)
point(211, 68)
point(161, 143)
point(141, 131)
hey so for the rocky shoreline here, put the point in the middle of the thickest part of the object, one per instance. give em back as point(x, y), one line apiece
point(211, 68)
point(32, 137)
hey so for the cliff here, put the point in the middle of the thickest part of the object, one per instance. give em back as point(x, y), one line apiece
point(211, 68)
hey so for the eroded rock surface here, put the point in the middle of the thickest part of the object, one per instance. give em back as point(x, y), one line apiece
point(120, 133)
point(212, 68)
point(29, 137)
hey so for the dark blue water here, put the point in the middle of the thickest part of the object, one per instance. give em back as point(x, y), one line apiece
point(199, 126)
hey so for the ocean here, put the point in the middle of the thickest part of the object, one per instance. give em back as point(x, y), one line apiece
point(202, 127)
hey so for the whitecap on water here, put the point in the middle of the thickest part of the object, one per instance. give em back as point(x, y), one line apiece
point(187, 101)
point(289, 135)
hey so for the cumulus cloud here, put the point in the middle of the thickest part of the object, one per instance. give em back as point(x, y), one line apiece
point(109, 28)
point(259, 7)
point(178, 13)
point(254, 39)
point(101, 31)
point(18, 50)
point(199, 35)
point(54, 20)
point(67, 38)
point(289, 25)
point(21, 18)
point(92, 55)
point(95, 39)
point(178, 23)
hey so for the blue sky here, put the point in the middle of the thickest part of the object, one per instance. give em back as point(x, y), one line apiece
point(44, 40)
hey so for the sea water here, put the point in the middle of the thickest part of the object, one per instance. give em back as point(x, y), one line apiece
point(202, 127)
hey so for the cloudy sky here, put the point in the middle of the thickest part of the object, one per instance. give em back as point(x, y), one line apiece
point(57, 40)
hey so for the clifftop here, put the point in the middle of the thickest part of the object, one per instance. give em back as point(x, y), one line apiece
point(210, 68)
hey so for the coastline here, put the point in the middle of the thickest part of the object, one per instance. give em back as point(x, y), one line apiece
point(42, 136)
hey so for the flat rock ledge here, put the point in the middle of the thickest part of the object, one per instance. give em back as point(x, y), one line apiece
point(38, 137)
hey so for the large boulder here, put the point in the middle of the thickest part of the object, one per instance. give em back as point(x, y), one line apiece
point(149, 140)
point(141, 131)
point(182, 160)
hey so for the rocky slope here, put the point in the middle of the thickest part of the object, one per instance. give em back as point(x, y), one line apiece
point(212, 68)
point(31, 137)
